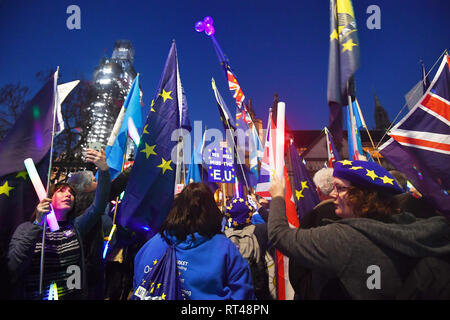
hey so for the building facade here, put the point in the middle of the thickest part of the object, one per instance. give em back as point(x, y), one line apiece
point(112, 80)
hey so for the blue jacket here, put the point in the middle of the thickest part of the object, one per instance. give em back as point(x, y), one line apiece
point(210, 268)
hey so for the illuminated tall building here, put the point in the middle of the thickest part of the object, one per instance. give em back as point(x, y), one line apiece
point(112, 80)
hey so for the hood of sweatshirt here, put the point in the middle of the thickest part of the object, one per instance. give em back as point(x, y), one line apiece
point(406, 234)
point(190, 241)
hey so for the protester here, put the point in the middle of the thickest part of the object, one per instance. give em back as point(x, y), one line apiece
point(373, 247)
point(210, 266)
point(323, 179)
point(251, 240)
point(322, 214)
point(85, 185)
point(63, 260)
point(411, 200)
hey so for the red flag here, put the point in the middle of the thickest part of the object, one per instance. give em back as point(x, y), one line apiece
point(284, 288)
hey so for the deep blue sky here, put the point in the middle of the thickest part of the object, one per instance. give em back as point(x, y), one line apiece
point(273, 46)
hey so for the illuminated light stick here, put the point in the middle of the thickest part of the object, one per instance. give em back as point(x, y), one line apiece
point(108, 240)
point(41, 193)
point(53, 292)
point(279, 152)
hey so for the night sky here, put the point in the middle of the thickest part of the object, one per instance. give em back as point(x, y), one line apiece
point(273, 46)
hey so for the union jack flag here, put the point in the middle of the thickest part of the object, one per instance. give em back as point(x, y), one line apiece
point(424, 133)
point(234, 86)
point(267, 162)
point(243, 115)
point(425, 130)
point(333, 154)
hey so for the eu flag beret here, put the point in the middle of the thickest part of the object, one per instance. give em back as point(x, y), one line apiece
point(366, 174)
point(239, 211)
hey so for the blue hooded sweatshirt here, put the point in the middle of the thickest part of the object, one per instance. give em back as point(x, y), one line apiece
point(210, 268)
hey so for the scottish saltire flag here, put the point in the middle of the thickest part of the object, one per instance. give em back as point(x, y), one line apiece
point(343, 61)
point(150, 189)
point(29, 137)
point(333, 154)
point(425, 134)
point(267, 162)
point(117, 143)
point(305, 194)
point(354, 123)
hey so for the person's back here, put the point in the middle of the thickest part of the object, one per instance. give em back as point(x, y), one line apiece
point(210, 268)
point(251, 241)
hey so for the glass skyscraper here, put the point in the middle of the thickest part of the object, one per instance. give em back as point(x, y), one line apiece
point(112, 80)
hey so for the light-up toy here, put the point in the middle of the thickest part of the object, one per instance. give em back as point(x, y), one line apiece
point(41, 193)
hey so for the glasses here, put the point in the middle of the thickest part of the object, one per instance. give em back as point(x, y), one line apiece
point(340, 189)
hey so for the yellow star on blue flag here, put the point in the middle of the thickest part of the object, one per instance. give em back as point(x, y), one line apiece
point(150, 190)
point(5, 188)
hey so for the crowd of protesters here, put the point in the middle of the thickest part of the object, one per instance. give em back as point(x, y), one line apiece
point(368, 238)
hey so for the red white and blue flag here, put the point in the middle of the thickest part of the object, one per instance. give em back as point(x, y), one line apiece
point(333, 154)
point(234, 86)
point(267, 162)
point(425, 134)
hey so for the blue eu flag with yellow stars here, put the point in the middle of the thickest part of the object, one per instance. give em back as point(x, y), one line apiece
point(150, 190)
point(304, 189)
point(343, 62)
point(29, 137)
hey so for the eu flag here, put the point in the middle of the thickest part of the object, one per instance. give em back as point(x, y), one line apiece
point(30, 137)
point(304, 193)
point(343, 61)
point(31, 134)
point(150, 190)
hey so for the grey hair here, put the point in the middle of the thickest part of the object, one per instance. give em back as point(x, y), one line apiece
point(324, 180)
point(80, 180)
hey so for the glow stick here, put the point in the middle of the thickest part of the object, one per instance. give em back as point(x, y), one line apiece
point(279, 154)
point(50, 292)
point(40, 191)
point(55, 291)
point(132, 131)
point(108, 240)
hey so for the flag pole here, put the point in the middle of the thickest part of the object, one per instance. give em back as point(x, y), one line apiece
point(213, 84)
point(41, 267)
point(367, 129)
